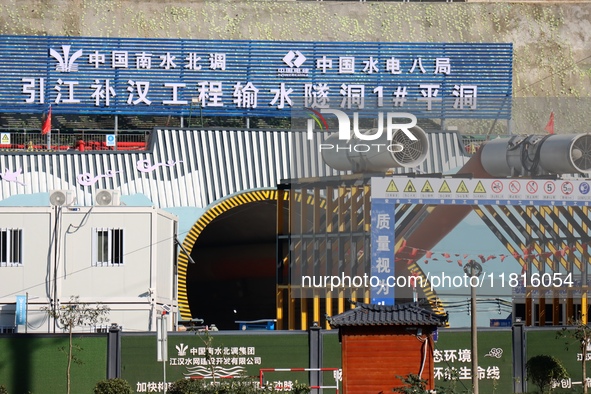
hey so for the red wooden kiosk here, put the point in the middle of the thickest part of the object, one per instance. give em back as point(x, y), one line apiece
point(381, 342)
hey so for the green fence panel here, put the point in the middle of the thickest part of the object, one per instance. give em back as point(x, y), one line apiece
point(223, 354)
point(33, 363)
point(331, 358)
point(565, 349)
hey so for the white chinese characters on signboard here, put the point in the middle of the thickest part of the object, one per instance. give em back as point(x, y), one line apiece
point(211, 91)
point(568, 383)
point(464, 372)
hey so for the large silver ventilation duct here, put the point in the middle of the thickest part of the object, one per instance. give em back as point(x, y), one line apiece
point(536, 155)
point(375, 155)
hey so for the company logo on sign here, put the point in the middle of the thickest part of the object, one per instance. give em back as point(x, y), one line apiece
point(346, 133)
point(345, 125)
point(182, 349)
point(294, 59)
point(66, 63)
point(318, 119)
point(351, 135)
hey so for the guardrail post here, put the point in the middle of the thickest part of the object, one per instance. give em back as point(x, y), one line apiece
point(114, 352)
point(315, 349)
point(519, 355)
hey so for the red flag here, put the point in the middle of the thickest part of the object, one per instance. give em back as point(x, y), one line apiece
point(550, 126)
point(46, 128)
point(402, 245)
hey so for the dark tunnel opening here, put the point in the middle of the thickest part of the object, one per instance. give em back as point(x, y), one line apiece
point(233, 278)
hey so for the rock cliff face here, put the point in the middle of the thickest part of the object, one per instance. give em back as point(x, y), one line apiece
point(552, 40)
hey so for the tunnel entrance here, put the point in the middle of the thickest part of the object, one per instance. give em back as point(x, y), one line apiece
point(233, 277)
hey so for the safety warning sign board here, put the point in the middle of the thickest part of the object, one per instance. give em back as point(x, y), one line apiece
point(474, 191)
point(4, 138)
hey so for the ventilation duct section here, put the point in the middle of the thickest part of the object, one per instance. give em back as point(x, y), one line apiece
point(377, 155)
point(537, 155)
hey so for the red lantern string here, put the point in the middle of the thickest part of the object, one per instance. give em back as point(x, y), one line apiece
point(528, 252)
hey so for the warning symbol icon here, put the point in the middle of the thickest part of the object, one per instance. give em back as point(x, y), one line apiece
point(427, 188)
point(5, 139)
point(479, 188)
point(462, 188)
point(392, 188)
point(410, 188)
point(444, 188)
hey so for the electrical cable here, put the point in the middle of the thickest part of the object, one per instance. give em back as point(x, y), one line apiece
point(45, 317)
point(424, 360)
point(82, 222)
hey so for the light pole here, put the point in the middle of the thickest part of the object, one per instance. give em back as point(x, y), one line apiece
point(473, 270)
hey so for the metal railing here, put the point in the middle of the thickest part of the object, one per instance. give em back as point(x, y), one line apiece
point(76, 140)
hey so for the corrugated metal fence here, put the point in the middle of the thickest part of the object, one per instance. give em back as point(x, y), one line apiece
point(191, 167)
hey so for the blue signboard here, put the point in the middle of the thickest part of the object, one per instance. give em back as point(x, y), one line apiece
point(21, 310)
point(110, 76)
point(382, 251)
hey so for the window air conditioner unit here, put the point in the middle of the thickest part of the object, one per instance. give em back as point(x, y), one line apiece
point(107, 197)
point(61, 197)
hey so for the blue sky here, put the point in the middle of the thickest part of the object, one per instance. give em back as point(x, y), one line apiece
point(472, 237)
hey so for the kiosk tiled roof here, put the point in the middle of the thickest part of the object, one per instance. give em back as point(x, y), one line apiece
point(387, 315)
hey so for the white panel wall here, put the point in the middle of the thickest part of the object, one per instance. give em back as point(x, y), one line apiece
point(57, 239)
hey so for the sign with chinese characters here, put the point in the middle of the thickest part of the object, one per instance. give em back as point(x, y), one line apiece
point(564, 348)
point(382, 251)
point(452, 357)
point(21, 309)
point(458, 191)
point(262, 78)
point(463, 371)
point(221, 354)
